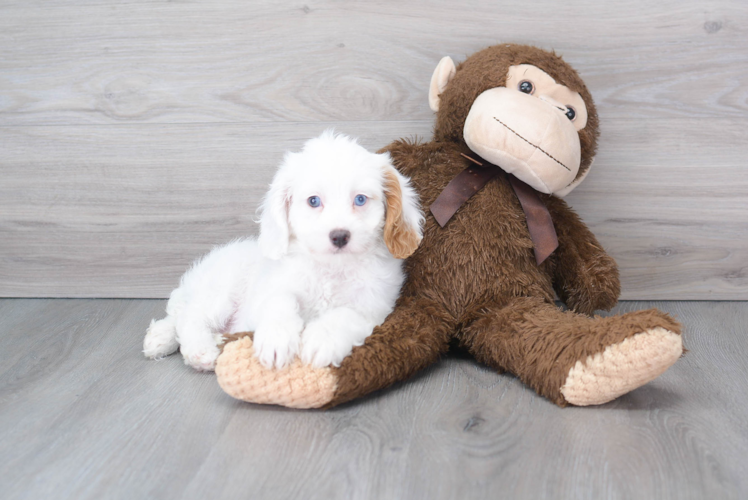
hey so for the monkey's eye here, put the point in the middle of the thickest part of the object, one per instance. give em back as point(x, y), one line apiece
point(526, 87)
point(313, 201)
point(570, 113)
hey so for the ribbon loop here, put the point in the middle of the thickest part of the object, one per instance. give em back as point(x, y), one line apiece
point(473, 179)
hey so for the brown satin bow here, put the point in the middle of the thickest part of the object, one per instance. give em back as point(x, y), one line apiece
point(474, 178)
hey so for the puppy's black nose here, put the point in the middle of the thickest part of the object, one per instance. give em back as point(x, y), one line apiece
point(340, 237)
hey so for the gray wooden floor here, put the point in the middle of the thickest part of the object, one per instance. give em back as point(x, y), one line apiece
point(84, 415)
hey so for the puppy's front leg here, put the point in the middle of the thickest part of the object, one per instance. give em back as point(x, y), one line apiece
point(278, 332)
point(329, 338)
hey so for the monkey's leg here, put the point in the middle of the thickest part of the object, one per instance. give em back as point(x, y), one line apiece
point(411, 338)
point(571, 358)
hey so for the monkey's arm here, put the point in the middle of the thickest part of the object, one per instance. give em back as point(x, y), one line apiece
point(585, 277)
point(412, 337)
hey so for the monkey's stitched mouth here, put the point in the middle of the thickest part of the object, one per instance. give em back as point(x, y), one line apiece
point(531, 144)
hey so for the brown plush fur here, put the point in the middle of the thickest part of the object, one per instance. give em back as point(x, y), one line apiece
point(476, 279)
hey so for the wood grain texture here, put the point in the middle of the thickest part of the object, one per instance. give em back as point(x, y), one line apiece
point(286, 61)
point(136, 134)
point(88, 226)
point(83, 415)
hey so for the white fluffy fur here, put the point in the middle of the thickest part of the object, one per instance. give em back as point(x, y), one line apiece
point(298, 292)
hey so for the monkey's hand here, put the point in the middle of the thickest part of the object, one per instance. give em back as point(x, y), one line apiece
point(587, 285)
point(296, 385)
point(585, 277)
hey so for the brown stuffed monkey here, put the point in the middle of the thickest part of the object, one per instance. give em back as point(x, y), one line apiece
point(515, 128)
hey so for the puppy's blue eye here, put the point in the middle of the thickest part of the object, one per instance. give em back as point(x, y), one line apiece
point(313, 201)
point(360, 200)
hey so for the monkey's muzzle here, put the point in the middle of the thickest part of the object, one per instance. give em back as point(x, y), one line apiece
point(526, 136)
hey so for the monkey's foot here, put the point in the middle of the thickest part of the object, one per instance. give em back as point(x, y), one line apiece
point(622, 367)
point(241, 376)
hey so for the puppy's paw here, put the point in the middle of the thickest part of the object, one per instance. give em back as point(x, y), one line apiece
point(276, 343)
point(160, 339)
point(200, 357)
point(322, 346)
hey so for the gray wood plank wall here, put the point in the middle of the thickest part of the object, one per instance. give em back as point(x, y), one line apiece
point(134, 135)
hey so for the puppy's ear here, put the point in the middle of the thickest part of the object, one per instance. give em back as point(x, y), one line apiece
point(404, 220)
point(274, 232)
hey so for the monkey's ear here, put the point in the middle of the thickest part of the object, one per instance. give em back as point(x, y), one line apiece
point(443, 73)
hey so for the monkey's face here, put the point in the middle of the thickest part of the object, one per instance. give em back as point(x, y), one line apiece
point(529, 128)
point(516, 115)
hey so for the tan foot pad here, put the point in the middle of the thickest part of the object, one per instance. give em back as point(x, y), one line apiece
point(622, 367)
point(242, 376)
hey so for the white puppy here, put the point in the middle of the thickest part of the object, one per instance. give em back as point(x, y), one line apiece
point(323, 273)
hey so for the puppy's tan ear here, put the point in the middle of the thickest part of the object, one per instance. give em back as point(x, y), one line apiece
point(403, 220)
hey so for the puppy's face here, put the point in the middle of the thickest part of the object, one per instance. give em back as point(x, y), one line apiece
point(335, 197)
point(337, 204)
